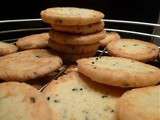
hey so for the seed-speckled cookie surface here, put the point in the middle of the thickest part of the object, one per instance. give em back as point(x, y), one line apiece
point(28, 65)
point(71, 16)
point(133, 49)
point(33, 41)
point(75, 39)
point(7, 48)
point(140, 104)
point(122, 72)
point(74, 97)
point(80, 29)
point(19, 101)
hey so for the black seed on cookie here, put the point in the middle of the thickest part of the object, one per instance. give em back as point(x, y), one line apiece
point(135, 44)
point(56, 101)
point(32, 99)
point(81, 89)
point(112, 110)
point(104, 96)
point(124, 46)
point(94, 67)
point(37, 56)
point(93, 62)
point(74, 89)
point(48, 98)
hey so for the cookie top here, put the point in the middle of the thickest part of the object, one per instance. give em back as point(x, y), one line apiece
point(122, 72)
point(110, 36)
point(33, 41)
point(80, 29)
point(19, 101)
point(140, 104)
point(71, 16)
point(28, 65)
point(74, 97)
point(7, 48)
point(75, 39)
point(133, 49)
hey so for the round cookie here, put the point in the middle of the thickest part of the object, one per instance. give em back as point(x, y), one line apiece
point(73, 57)
point(33, 41)
point(71, 16)
point(26, 65)
point(80, 29)
point(73, 49)
point(140, 104)
point(75, 39)
point(110, 36)
point(133, 49)
point(75, 97)
point(116, 71)
point(7, 48)
point(19, 101)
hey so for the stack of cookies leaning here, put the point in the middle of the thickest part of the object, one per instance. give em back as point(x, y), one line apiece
point(76, 32)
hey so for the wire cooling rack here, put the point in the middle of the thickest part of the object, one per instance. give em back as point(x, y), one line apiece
point(11, 30)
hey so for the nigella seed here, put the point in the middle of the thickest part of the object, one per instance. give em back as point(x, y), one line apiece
point(96, 58)
point(74, 89)
point(32, 99)
point(112, 110)
point(48, 98)
point(104, 96)
point(37, 56)
point(93, 62)
point(56, 101)
point(81, 89)
point(94, 67)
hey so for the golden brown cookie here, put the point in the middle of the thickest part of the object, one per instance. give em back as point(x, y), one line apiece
point(7, 48)
point(19, 101)
point(73, 57)
point(140, 104)
point(26, 65)
point(71, 16)
point(33, 41)
point(73, 49)
point(75, 97)
point(75, 39)
point(110, 36)
point(133, 49)
point(80, 29)
point(71, 68)
point(116, 71)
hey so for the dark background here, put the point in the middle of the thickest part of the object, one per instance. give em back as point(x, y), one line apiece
point(136, 10)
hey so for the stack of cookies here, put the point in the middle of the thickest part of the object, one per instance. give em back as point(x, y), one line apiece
point(76, 32)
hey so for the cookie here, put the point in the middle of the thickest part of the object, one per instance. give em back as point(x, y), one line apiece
point(74, 97)
point(133, 49)
point(67, 58)
point(20, 101)
point(80, 29)
point(73, 49)
point(140, 104)
point(29, 64)
point(33, 41)
point(71, 68)
point(75, 39)
point(110, 36)
point(7, 48)
point(116, 71)
point(71, 16)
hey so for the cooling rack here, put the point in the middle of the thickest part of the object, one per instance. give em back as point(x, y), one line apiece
point(10, 30)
